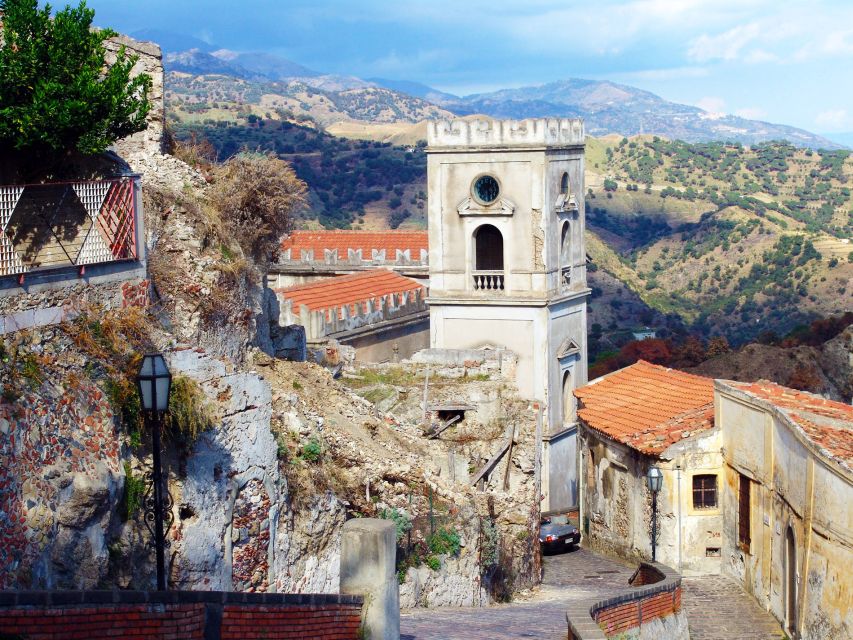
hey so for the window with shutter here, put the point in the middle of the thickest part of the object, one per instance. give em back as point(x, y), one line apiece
point(743, 517)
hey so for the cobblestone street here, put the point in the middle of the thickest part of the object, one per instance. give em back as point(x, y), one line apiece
point(720, 610)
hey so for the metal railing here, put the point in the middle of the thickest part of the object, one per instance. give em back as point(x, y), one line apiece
point(488, 280)
point(67, 224)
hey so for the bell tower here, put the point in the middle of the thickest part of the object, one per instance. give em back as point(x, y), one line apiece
point(508, 264)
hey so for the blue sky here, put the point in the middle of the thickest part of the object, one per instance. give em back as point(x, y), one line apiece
point(787, 61)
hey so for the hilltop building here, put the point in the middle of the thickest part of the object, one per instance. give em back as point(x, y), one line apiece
point(507, 263)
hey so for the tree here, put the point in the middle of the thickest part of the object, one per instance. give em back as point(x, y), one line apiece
point(57, 94)
point(717, 345)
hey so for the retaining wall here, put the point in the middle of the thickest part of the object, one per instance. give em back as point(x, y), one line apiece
point(173, 615)
point(652, 608)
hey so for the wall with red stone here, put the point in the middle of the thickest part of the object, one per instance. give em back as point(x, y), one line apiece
point(178, 615)
point(44, 439)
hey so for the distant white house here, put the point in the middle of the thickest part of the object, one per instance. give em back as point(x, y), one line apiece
point(644, 333)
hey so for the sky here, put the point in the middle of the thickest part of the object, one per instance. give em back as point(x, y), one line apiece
point(785, 61)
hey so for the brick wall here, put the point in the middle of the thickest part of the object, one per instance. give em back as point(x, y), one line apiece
point(177, 615)
point(655, 593)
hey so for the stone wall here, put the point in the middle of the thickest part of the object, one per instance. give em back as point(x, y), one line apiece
point(59, 473)
point(208, 615)
point(150, 61)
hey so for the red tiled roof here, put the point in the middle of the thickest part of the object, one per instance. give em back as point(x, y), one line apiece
point(827, 423)
point(349, 289)
point(648, 407)
point(342, 240)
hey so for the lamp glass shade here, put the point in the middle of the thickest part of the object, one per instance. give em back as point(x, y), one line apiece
point(654, 479)
point(154, 382)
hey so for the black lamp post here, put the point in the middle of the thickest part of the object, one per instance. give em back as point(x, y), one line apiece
point(155, 384)
point(654, 480)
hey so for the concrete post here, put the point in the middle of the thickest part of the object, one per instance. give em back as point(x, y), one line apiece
point(368, 551)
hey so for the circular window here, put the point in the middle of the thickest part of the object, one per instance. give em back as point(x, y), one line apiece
point(486, 189)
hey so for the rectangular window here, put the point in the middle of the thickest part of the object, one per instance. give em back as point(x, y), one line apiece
point(743, 513)
point(705, 491)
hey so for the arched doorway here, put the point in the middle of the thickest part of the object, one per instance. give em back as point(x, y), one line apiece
point(790, 581)
point(488, 258)
point(568, 398)
point(566, 253)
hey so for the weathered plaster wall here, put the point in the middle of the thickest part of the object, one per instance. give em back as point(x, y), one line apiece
point(614, 478)
point(792, 488)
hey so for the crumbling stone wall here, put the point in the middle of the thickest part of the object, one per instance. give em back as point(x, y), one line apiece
point(60, 473)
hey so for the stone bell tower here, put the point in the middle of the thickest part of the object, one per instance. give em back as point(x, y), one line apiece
point(508, 264)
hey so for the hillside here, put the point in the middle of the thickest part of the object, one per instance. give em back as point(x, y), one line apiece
point(352, 184)
point(266, 83)
point(734, 240)
point(223, 94)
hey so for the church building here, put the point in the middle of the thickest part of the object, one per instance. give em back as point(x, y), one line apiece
point(507, 264)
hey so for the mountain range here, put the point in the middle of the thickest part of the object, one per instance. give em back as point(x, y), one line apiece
point(607, 107)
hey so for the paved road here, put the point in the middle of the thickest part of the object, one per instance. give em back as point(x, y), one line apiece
point(715, 606)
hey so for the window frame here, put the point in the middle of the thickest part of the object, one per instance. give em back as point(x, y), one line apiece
point(704, 491)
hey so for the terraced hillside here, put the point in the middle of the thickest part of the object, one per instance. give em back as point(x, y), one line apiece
point(734, 240)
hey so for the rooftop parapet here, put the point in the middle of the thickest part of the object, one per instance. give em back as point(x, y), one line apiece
point(533, 132)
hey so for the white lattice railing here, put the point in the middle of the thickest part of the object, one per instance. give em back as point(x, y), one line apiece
point(50, 226)
point(488, 280)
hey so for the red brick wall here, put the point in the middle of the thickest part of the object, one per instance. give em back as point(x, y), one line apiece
point(621, 617)
point(327, 622)
point(160, 622)
point(328, 618)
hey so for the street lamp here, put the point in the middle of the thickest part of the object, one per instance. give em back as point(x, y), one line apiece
point(155, 384)
point(654, 480)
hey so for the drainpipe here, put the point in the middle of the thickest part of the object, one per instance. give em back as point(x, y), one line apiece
point(678, 475)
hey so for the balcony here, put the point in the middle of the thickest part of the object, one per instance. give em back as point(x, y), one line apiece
point(70, 224)
point(488, 280)
point(566, 277)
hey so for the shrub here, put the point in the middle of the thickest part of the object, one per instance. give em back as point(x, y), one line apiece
point(445, 541)
point(57, 93)
point(311, 450)
point(190, 412)
point(256, 194)
point(401, 521)
point(433, 562)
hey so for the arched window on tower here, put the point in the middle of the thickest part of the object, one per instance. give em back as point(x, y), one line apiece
point(568, 399)
point(566, 254)
point(564, 184)
point(488, 258)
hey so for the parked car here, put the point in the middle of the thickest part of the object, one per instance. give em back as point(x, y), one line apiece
point(556, 533)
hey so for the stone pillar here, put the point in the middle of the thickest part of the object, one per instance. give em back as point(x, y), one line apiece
point(368, 551)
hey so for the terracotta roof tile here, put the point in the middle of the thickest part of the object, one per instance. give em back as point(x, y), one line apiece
point(648, 407)
point(827, 423)
point(350, 289)
point(342, 240)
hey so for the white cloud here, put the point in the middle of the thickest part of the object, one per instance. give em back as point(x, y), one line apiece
point(712, 104)
point(833, 120)
point(675, 73)
point(724, 46)
point(751, 113)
